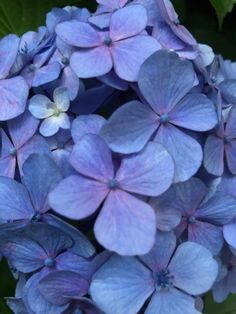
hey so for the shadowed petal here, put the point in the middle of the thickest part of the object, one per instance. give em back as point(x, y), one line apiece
point(164, 79)
point(194, 268)
point(159, 256)
point(92, 157)
point(40, 176)
point(129, 54)
point(86, 124)
point(78, 34)
point(130, 127)
point(180, 146)
point(230, 152)
point(207, 235)
point(46, 74)
point(77, 197)
point(14, 200)
point(194, 112)
point(125, 224)
point(61, 286)
point(171, 301)
point(92, 62)
point(214, 155)
point(148, 173)
point(122, 285)
point(127, 22)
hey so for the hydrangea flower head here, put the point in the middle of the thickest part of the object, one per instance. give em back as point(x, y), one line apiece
point(53, 113)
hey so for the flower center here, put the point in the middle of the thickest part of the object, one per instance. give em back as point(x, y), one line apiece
point(12, 151)
point(191, 220)
point(57, 112)
point(227, 139)
point(163, 279)
point(49, 262)
point(107, 41)
point(36, 217)
point(164, 118)
point(32, 67)
point(112, 184)
point(78, 311)
point(65, 60)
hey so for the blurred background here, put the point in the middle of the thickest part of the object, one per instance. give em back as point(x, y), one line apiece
point(212, 22)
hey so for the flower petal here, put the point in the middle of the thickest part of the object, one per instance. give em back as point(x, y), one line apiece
point(229, 232)
point(164, 79)
point(92, 157)
point(121, 285)
point(230, 152)
point(125, 224)
point(130, 127)
point(41, 107)
point(50, 126)
point(8, 52)
point(194, 268)
point(171, 301)
point(77, 197)
point(180, 146)
point(91, 62)
point(78, 34)
point(149, 172)
point(194, 112)
point(61, 98)
point(214, 155)
point(129, 54)
point(159, 256)
point(127, 22)
point(86, 124)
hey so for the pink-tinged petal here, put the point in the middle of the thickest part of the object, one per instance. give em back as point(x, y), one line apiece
point(125, 224)
point(149, 172)
point(86, 124)
point(171, 301)
point(214, 155)
point(180, 146)
point(207, 235)
point(122, 285)
point(92, 158)
point(183, 34)
point(130, 127)
point(35, 146)
point(78, 34)
point(46, 74)
point(230, 129)
point(127, 22)
point(77, 197)
point(194, 268)
point(13, 97)
point(194, 112)
point(164, 79)
point(8, 52)
point(91, 62)
point(229, 232)
point(22, 128)
point(159, 256)
point(129, 54)
point(230, 152)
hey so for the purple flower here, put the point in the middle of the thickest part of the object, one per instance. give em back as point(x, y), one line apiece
point(123, 284)
point(202, 214)
point(222, 146)
point(117, 227)
point(22, 143)
point(28, 201)
point(124, 47)
point(164, 81)
point(14, 90)
point(53, 113)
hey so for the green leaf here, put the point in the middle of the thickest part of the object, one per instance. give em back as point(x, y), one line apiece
point(19, 16)
point(227, 307)
point(222, 7)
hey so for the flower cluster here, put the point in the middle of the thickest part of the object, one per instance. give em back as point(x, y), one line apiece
point(117, 164)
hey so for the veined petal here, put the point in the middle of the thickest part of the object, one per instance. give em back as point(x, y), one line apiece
point(214, 155)
point(41, 107)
